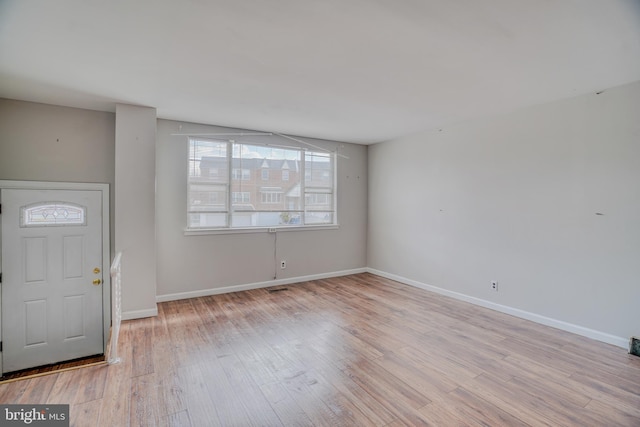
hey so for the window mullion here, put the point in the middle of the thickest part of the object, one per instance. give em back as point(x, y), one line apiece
point(334, 193)
point(303, 195)
point(229, 178)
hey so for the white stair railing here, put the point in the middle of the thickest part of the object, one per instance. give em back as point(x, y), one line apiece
point(116, 307)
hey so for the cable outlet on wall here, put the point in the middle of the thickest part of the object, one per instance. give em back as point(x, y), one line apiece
point(494, 285)
point(283, 264)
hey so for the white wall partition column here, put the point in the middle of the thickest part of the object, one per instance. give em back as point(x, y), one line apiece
point(135, 159)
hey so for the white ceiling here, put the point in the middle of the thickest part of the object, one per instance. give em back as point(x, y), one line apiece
point(350, 70)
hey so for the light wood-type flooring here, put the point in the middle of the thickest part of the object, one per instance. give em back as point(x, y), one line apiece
point(351, 351)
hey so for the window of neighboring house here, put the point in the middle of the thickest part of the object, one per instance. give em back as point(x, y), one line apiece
point(271, 197)
point(317, 199)
point(240, 197)
point(241, 174)
point(219, 200)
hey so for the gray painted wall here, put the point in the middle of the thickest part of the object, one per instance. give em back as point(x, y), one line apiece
point(194, 263)
point(518, 198)
point(40, 142)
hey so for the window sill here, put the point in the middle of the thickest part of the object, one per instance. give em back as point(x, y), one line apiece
point(213, 231)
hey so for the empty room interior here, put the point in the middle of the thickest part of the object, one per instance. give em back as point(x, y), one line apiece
point(361, 213)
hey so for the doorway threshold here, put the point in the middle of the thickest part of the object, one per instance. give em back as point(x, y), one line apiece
point(53, 368)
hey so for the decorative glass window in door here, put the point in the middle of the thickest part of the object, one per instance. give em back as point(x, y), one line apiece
point(52, 213)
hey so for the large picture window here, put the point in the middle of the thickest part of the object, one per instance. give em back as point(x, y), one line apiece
point(236, 185)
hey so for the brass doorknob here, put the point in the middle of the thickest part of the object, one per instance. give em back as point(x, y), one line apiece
point(96, 282)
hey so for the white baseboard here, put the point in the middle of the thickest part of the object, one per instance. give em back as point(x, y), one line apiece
point(256, 285)
point(547, 321)
point(139, 314)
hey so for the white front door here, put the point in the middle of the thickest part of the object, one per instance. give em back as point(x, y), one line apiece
point(51, 276)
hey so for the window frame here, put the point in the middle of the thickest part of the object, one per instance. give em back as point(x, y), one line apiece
point(231, 148)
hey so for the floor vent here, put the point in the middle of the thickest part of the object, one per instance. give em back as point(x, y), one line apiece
point(634, 346)
point(271, 291)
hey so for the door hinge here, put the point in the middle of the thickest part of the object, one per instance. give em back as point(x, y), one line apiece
point(0, 277)
point(0, 346)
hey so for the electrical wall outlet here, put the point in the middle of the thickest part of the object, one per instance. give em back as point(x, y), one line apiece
point(494, 285)
point(283, 264)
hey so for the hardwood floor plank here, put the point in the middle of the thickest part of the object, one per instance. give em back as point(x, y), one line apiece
point(170, 394)
point(376, 380)
point(37, 389)
point(615, 414)
point(562, 402)
point(143, 410)
point(477, 409)
point(164, 354)
point(264, 365)
point(484, 358)
point(457, 372)
point(340, 391)
point(425, 379)
point(221, 334)
point(200, 406)
point(437, 415)
point(218, 387)
point(342, 410)
point(542, 404)
point(336, 343)
point(314, 408)
point(184, 324)
point(518, 363)
point(12, 392)
point(605, 391)
point(85, 414)
point(559, 390)
point(243, 389)
point(285, 406)
point(510, 400)
point(92, 383)
point(374, 413)
point(65, 389)
point(178, 419)
point(115, 407)
point(355, 350)
point(461, 407)
point(142, 347)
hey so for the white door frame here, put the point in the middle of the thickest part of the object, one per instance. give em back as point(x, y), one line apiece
point(106, 253)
